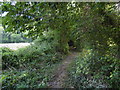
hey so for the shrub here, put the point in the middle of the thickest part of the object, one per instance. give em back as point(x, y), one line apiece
point(38, 58)
point(8, 58)
point(33, 75)
point(33, 65)
point(28, 54)
point(41, 51)
point(90, 70)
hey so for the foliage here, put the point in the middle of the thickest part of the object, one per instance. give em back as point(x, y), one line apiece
point(8, 37)
point(8, 58)
point(42, 53)
point(17, 66)
point(94, 28)
point(53, 17)
point(64, 18)
point(92, 71)
point(40, 57)
point(32, 75)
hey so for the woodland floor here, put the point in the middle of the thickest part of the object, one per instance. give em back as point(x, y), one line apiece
point(61, 72)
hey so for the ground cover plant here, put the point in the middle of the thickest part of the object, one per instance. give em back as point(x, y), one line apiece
point(26, 64)
point(62, 29)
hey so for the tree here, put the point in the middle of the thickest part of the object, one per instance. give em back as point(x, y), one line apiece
point(88, 21)
point(39, 17)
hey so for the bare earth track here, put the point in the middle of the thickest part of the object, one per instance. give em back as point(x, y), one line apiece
point(61, 73)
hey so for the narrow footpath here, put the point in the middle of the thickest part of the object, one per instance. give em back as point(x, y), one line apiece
point(61, 73)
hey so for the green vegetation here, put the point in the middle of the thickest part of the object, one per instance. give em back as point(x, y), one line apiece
point(92, 28)
point(89, 70)
point(8, 37)
point(30, 63)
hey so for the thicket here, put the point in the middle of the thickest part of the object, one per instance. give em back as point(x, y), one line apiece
point(43, 50)
point(94, 28)
point(31, 66)
point(98, 65)
point(93, 71)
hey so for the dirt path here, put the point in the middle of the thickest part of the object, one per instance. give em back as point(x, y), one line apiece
point(61, 73)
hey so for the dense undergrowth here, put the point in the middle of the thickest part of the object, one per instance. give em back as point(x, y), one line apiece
point(93, 28)
point(29, 67)
point(90, 70)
